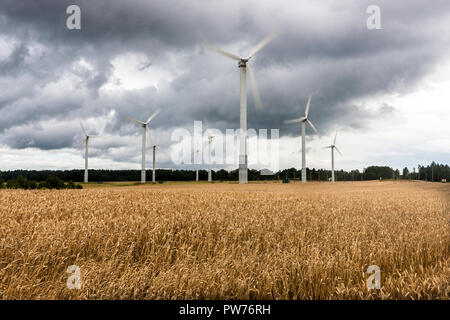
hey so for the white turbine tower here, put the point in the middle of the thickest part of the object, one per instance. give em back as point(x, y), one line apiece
point(208, 160)
point(154, 146)
point(86, 152)
point(210, 139)
point(195, 154)
point(243, 66)
point(304, 120)
point(332, 147)
point(144, 133)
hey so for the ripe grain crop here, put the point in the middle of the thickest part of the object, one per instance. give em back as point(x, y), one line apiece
point(227, 241)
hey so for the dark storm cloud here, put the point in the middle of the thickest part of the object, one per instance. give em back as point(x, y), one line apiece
point(54, 136)
point(323, 48)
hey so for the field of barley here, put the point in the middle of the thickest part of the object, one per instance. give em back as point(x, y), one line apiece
point(227, 241)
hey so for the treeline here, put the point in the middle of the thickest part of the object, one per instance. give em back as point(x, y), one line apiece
point(127, 175)
point(370, 173)
point(51, 182)
point(433, 172)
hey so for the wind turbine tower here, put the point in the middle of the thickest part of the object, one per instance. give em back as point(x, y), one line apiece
point(154, 161)
point(86, 152)
point(154, 146)
point(210, 139)
point(196, 170)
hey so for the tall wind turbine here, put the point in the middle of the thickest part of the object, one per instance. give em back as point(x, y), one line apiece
point(144, 133)
point(86, 152)
point(332, 147)
point(243, 66)
point(304, 120)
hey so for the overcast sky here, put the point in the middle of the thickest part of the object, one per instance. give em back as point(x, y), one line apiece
point(385, 91)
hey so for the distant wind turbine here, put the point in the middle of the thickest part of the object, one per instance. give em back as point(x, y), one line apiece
point(332, 147)
point(86, 152)
point(210, 139)
point(144, 133)
point(303, 121)
point(242, 63)
point(154, 146)
point(195, 153)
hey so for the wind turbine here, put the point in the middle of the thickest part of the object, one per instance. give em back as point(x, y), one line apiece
point(243, 66)
point(304, 120)
point(332, 147)
point(210, 139)
point(154, 147)
point(144, 132)
point(195, 153)
point(86, 143)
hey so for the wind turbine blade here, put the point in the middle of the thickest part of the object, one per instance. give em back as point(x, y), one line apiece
point(327, 147)
point(81, 144)
point(338, 150)
point(312, 126)
point(262, 43)
point(307, 107)
point(134, 120)
point(295, 120)
point(255, 91)
point(84, 130)
point(153, 115)
point(334, 141)
point(217, 50)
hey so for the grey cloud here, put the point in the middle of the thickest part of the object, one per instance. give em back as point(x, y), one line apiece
point(324, 49)
point(36, 136)
point(15, 60)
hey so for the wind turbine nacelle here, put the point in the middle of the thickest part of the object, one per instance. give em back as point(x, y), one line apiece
point(242, 63)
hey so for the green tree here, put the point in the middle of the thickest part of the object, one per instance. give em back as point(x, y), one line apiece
point(23, 182)
point(53, 182)
point(32, 184)
point(70, 185)
point(12, 184)
point(377, 172)
point(405, 173)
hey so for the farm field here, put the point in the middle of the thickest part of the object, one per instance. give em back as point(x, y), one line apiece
point(227, 241)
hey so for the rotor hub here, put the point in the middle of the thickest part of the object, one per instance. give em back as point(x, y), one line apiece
point(242, 63)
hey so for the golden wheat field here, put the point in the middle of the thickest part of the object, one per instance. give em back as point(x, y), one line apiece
point(227, 241)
